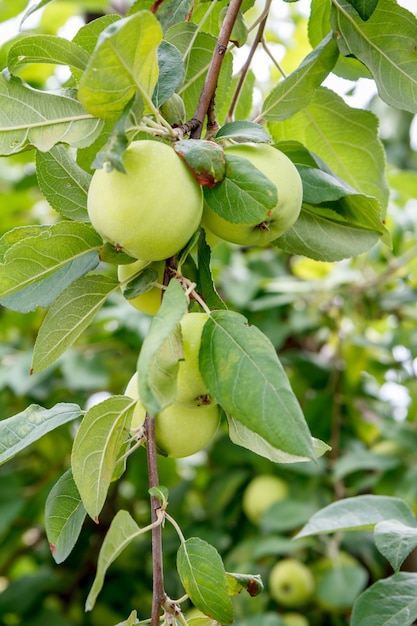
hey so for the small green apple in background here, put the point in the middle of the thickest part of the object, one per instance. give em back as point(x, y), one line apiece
point(153, 209)
point(149, 301)
point(281, 171)
point(294, 619)
point(261, 493)
point(291, 583)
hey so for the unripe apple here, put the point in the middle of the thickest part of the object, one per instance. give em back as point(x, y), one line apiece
point(153, 209)
point(179, 430)
point(291, 583)
point(261, 493)
point(281, 171)
point(294, 619)
point(139, 413)
point(191, 389)
point(149, 301)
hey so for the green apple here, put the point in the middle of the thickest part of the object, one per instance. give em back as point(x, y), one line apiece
point(281, 171)
point(180, 431)
point(153, 209)
point(191, 389)
point(261, 493)
point(291, 583)
point(294, 619)
point(149, 301)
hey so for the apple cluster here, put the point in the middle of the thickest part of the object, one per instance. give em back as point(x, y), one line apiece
point(190, 422)
point(152, 210)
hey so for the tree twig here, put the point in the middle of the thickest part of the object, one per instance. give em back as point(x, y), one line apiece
point(243, 72)
point(213, 72)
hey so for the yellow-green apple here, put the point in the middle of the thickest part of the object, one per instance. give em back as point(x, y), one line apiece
point(283, 173)
point(180, 430)
point(149, 301)
point(291, 583)
point(153, 209)
point(261, 493)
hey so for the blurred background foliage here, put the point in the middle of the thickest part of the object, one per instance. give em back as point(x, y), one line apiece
point(347, 335)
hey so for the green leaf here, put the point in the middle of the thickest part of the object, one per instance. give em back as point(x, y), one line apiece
point(46, 49)
point(318, 28)
point(124, 60)
point(64, 517)
point(171, 70)
point(122, 531)
point(242, 371)
point(205, 159)
point(21, 430)
point(161, 351)
point(96, 449)
point(246, 438)
point(173, 11)
point(395, 541)
point(243, 130)
point(365, 8)
point(87, 36)
point(385, 44)
point(324, 236)
point(345, 138)
point(202, 575)
point(36, 118)
point(339, 586)
point(197, 51)
point(295, 92)
point(205, 283)
point(245, 195)
point(63, 183)
point(70, 314)
point(37, 268)
point(357, 513)
point(389, 602)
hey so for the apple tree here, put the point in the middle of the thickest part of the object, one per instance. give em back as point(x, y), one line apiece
point(171, 173)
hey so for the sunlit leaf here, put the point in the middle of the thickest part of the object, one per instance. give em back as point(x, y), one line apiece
point(294, 92)
point(46, 49)
point(36, 118)
point(344, 138)
point(125, 60)
point(385, 43)
point(96, 449)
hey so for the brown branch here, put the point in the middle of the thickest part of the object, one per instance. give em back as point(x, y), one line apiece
point(245, 68)
point(158, 591)
point(158, 595)
point(213, 72)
